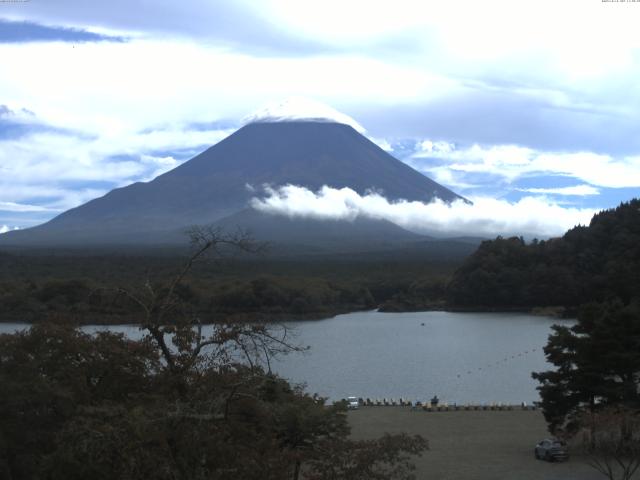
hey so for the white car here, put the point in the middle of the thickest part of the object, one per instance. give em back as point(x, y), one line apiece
point(352, 403)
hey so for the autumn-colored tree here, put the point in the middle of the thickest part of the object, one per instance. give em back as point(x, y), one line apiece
point(185, 401)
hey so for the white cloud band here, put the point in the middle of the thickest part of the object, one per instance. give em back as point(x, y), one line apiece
point(531, 216)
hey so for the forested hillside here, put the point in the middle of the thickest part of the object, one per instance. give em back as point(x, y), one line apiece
point(87, 289)
point(589, 263)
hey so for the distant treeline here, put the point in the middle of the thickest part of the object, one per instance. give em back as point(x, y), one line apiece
point(598, 263)
point(262, 298)
point(87, 289)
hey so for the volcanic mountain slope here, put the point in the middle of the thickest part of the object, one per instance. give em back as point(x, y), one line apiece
point(312, 235)
point(217, 184)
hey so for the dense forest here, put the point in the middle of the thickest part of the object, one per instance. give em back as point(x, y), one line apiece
point(86, 286)
point(597, 262)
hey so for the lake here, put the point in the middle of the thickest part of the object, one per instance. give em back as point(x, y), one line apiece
point(461, 357)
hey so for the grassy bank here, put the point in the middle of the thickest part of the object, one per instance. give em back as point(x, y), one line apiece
point(472, 445)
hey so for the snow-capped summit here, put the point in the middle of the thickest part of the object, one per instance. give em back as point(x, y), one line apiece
point(299, 109)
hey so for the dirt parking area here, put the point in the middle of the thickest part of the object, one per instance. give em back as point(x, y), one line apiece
point(473, 445)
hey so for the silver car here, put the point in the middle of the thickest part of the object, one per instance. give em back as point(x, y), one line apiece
point(352, 403)
point(551, 450)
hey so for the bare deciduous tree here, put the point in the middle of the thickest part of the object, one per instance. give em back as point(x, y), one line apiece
point(611, 441)
point(178, 332)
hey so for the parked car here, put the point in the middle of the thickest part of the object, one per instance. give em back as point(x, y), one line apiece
point(352, 403)
point(551, 450)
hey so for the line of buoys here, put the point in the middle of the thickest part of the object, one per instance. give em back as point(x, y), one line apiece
point(497, 363)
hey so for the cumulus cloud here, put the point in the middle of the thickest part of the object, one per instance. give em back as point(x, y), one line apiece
point(577, 190)
point(15, 32)
point(47, 169)
point(514, 161)
point(383, 143)
point(530, 216)
point(20, 207)
point(5, 229)
point(429, 147)
point(19, 116)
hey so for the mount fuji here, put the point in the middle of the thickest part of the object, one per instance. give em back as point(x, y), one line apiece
point(277, 146)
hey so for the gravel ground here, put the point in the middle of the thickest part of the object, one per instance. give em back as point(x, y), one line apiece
point(474, 445)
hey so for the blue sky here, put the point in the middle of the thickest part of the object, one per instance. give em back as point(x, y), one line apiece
point(498, 100)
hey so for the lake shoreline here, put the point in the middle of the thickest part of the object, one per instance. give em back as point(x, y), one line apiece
point(559, 312)
point(247, 317)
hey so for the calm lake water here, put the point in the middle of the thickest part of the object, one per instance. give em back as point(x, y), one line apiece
point(461, 357)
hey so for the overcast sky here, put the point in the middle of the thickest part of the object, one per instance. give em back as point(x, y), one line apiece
point(508, 101)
